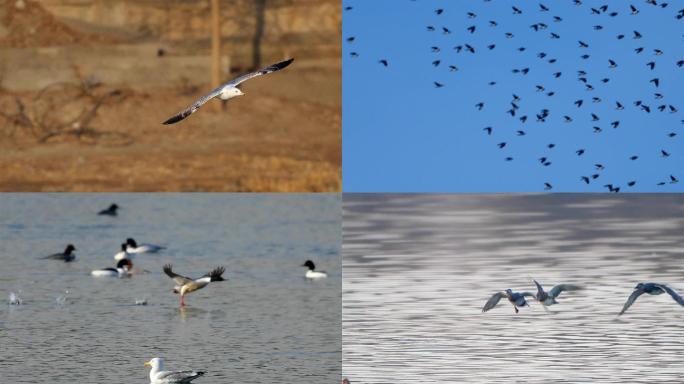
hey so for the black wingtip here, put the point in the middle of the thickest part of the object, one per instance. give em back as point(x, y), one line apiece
point(173, 120)
point(283, 64)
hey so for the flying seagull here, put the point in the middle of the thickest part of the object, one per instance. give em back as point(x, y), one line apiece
point(651, 289)
point(157, 376)
point(227, 91)
point(187, 285)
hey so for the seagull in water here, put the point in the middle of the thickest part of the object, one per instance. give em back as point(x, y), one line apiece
point(549, 298)
point(187, 285)
point(517, 299)
point(157, 376)
point(227, 91)
point(651, 289)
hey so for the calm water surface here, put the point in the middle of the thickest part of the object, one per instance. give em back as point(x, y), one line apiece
point(265, 324)
point(419, 268)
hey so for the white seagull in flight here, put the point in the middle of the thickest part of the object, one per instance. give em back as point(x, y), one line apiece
point(227, 91)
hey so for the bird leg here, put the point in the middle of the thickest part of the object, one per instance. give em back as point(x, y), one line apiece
point(516, 309)
point(182, 300)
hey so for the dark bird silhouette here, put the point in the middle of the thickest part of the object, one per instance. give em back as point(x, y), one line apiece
point(66, 256)
point(651, 289)
point(111, 211)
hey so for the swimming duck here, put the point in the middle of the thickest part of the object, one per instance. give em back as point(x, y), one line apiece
point(66, 256)
point(111, 211)
point(123, 253)
point(311, 273)
point(121, 270)
point(133, 247)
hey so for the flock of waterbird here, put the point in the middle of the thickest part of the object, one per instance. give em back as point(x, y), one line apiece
point(583, 108)
point(184, 285)
point(517, 299)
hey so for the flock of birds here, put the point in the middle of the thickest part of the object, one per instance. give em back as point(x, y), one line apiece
point(584, 107)
point(517, 299)
point(183, 286)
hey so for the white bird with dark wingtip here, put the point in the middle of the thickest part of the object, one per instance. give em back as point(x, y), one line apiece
point(187, 285)
point(227, 91)
point(157, 376)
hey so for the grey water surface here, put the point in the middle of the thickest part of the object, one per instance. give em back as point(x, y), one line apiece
point(265, 324)
point(419, 268)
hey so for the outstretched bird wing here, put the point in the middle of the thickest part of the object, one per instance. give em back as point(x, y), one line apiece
point(233, 83)
point(672, 293)
point(558, 289)
point(632, 298)
point(493, 301)
point(180, 280)
point(194, 107)
point(216, 273)
point(264, 71)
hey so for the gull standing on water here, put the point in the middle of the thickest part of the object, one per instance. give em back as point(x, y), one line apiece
point(187, 285)
point(651, 289)
point(157, 376)
point(227, 91)
point(549, 298)
point(517, 299)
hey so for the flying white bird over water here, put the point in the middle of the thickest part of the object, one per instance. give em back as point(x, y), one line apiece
point(227, 91)
point(157, 376)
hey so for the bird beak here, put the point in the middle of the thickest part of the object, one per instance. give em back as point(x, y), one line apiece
point(147, 364)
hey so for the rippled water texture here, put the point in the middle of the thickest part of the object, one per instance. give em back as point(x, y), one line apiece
point(418, 269)
point(265, 324)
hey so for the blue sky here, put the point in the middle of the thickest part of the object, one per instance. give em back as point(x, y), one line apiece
point(401, 134)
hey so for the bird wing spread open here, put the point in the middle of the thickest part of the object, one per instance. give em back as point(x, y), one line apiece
point(493, 301)
point(180, 280)
point(632, 298)
point(264, 71)
point(558, 289)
